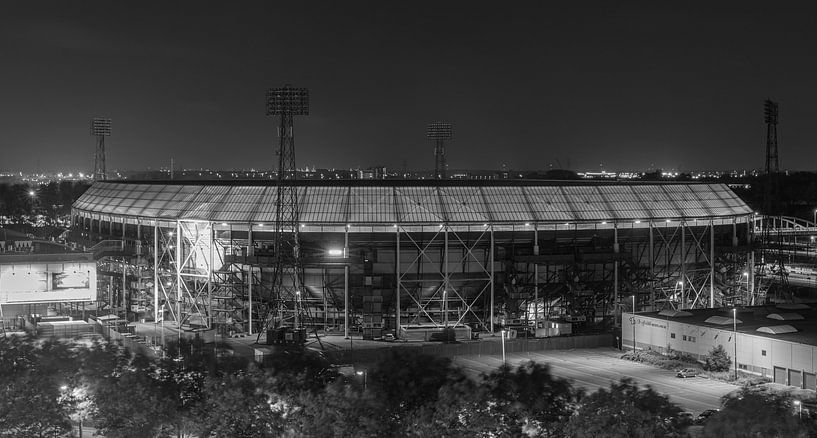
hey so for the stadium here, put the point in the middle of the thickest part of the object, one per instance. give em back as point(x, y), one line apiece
point(393, 256)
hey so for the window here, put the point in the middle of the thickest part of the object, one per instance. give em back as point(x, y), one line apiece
point(672, 335)
point(692, 339)
point(685, 337)
point(762, 352)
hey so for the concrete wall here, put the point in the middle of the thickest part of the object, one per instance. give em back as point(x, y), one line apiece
point(656, 333)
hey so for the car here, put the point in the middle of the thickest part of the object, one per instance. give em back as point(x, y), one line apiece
point(687, 372)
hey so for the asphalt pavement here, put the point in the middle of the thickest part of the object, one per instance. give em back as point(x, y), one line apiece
point(597, 368)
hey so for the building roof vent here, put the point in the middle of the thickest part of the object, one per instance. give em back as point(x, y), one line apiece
point(793, 306)
point(785, 316)
point(672, 313)
point(777, 329)
point(722, 320)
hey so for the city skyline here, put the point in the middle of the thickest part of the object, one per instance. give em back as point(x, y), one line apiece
point(531, 86)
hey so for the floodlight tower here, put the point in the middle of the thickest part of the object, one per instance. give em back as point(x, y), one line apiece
point(100, 128)
point(285, 103)
point(438, 133)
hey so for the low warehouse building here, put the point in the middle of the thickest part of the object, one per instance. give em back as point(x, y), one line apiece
point(778, 342)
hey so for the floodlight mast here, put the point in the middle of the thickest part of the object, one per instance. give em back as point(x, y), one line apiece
point(439, 133)
point(100, 128)
point(286, 102)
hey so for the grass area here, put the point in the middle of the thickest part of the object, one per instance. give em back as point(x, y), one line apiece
point(676, 360)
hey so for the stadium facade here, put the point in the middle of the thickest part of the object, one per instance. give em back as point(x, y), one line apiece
point(431, 252)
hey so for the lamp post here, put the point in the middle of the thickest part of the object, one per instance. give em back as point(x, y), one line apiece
point(799, 409)
point(681, 285)
point(735, 334)
point(445, 308)
point(633, 321)
point(503, 346)
point(362, 373)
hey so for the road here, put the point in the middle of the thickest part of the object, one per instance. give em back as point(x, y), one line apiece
point(596, 368)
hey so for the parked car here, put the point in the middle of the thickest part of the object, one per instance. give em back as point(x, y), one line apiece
point(687, 372)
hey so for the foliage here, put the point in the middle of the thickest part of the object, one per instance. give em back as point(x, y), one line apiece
point(753, 414)
point(240, 405)
point(671, 361)
point(626, 411)
point(717, 359)
point(529, 399)
point(405, 380)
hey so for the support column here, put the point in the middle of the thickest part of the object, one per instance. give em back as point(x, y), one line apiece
point(346, 283)
point(156, 273)
point(178, 263)
point(615, 275)
point(125, 285)
point(397, 289)
point(751, 268)
point(652, 268)
point(491, 273)
point(250, 244)
point(250, 277)
point(711, 264)
point(683, 264)
point(535, 280)
point(445, 276)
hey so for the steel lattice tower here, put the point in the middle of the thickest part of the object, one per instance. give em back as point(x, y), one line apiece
point(100, 128)
point(770, 113)
point(285, 103)
point(439, 133)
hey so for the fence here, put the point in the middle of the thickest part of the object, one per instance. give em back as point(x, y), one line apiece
point(478, 348)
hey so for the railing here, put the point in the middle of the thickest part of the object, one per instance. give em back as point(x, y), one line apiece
point(108, 246)
point(784, 225)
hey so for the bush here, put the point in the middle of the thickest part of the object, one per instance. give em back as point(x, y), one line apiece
point(672, 361)
point(717, 359)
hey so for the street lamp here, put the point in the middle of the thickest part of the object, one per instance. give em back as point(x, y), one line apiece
point(503, 346)
point(681, 285)
point(445, 308)
point(362, 373)
point(735, 334)
point(799, 409)
point(633, 324)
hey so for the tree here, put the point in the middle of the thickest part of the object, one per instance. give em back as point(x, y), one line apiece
point(405, 380)
point(341, 410)
point(31, 407)
point(752, 414)
point(717, 359)
point(625, 411)
point(240, 405)
point(529, 400)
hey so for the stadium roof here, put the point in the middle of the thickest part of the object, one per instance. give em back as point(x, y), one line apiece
point(415, 202)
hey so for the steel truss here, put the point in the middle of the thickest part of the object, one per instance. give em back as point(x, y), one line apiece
point(462, 279)
point(183, 270)
point(682, 264)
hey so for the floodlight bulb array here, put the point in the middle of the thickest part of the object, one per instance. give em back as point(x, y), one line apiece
point(439, 131)
point(770, 112)
point(100, 126)
point(288, 100)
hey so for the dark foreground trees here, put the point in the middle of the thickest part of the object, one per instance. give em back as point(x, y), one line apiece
point(754, 414)
point(625, 411)
point(48, 385)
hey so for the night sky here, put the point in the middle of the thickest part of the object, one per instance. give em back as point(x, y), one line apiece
point(665, 84)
